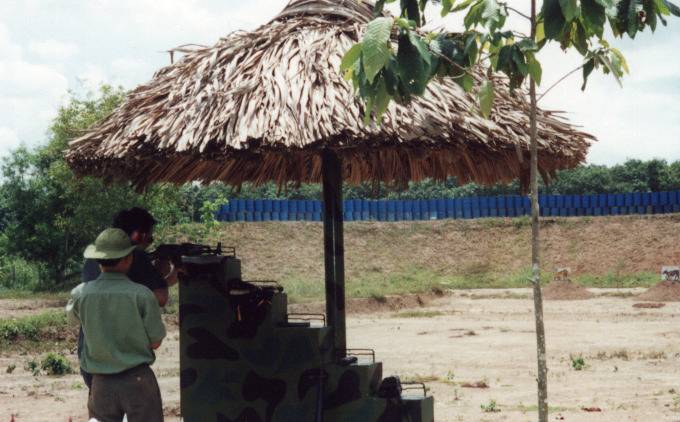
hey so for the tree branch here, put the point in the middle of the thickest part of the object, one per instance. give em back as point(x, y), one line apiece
point(518, 12)
point(559, 81)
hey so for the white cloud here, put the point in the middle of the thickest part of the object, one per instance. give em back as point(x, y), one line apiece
point(9, 140)
point(29, 95)
point(92, 76)
point(8, 50)
point(53, 50)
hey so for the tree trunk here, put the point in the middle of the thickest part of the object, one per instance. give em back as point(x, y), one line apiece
point(535, 251)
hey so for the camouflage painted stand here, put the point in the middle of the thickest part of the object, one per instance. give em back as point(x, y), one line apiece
point(241, 359)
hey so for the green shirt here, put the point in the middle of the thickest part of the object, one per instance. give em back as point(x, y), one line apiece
point(120, 320)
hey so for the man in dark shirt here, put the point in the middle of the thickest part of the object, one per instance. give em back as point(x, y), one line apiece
point(138, 224)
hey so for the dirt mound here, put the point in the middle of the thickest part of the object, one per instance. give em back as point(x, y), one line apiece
point(666, 291)
point(371, 304)
point(649, 305)
point(565, 290)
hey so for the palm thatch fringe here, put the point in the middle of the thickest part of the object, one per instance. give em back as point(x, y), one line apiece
point(260, 106)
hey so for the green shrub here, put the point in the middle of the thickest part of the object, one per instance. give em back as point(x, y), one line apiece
point(18, 274)
point(491, 407)
point(578, 363)
point(56, 364)
point(30, 327)
point(33, 367)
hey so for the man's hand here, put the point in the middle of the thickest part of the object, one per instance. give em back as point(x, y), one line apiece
point(155, 345)
point(161, 296)
point(169, 271)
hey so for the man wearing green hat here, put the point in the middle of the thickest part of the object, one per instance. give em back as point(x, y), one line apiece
point(122, 326)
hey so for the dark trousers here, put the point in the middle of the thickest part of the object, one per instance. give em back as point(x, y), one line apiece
point(134, 393)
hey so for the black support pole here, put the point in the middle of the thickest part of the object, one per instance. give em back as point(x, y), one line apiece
point(334, 247)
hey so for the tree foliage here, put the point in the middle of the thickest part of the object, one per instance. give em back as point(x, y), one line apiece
point(48, 214)
point(395, 60)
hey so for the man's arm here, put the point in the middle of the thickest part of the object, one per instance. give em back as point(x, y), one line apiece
point(153, 324)
point(72, 312)
point(144, 272)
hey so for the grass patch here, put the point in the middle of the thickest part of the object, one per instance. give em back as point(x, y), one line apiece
point(534, 408)
point(42, 332)
point(615, 279)
point(30, 294)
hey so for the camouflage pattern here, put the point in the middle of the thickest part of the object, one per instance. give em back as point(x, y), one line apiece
point(241, 361)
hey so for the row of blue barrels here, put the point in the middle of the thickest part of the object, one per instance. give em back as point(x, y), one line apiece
point(473, 207)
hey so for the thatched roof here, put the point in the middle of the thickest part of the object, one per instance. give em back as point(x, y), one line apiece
point(259, 106)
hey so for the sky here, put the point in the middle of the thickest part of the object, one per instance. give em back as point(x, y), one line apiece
point(51, 47)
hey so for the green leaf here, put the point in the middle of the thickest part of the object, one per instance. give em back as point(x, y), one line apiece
point(661, 7)
point(553, 20)
point(351, 57)
point(650, 12)
point(421, 46)
point(570, 9)
point(382, 100)
point(540, 32)
point(587, 70)
point(378, 8)
point(535, 69)
point(463, 5)
point(414, 71)
point(675, 10)
point(466, 82)
point(606, 3)
point(632, 27)
point(411, 10)
point(616, 72)
point(621, 59)
point(593, 16)
point(447, 5)
point(493, 16)
point(376, 49)
point(474, 15)
point(579, 38)
point(486, 96)
point(520, 61)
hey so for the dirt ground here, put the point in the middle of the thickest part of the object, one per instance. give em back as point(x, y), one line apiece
point(631, 357)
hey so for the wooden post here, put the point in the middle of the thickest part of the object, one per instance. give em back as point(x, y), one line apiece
point(334, 248)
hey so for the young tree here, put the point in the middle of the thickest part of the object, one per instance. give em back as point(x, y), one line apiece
point(382, 74)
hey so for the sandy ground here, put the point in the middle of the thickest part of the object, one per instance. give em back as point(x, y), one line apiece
point(632, 371)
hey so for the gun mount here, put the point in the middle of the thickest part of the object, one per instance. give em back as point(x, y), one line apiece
point(244, 358)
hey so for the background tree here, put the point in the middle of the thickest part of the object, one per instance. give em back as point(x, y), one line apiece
point(49, 215)
point(382, 73)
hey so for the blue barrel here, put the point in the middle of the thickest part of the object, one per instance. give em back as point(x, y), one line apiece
point(285, 208)
point(399, 210)
point(628, 200)
point(450, 208)
point(441, 209)
point(391, 209)
point(637, 199)
point(673, 197)
point(458, 206)
point(382, 210)
point(408, 209)
point(543, 201)
point(656, 198)
point(663, 198)
point(348, 209)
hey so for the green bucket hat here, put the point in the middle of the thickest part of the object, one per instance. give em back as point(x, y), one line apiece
point(110, 244)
